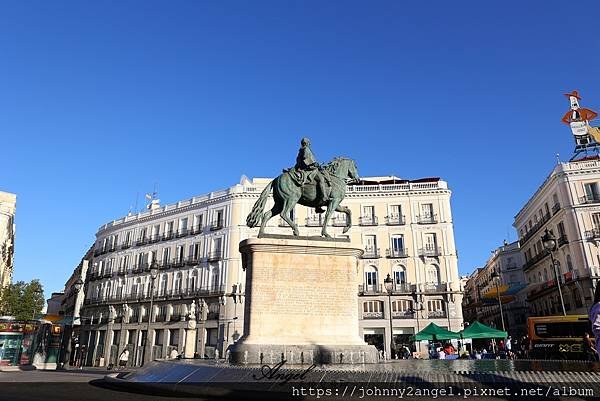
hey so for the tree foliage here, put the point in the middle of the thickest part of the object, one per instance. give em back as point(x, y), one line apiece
point(22, 300)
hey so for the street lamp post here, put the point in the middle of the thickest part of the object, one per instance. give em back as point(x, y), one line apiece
point(153, 275)
point(389, 286)
point(549, 242)
point(496, 277)
point(415, 311)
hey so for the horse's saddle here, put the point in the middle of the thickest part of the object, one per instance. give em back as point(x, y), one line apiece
point(305, 177)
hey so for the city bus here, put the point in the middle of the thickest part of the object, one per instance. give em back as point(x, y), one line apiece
point(558, 337)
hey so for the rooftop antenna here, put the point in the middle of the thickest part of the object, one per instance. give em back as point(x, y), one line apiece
point(557, 158)
point(137, 195)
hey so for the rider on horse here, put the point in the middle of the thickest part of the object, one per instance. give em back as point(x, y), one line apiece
point(306, 162)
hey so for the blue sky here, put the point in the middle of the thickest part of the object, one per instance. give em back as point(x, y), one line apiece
point(100, 100)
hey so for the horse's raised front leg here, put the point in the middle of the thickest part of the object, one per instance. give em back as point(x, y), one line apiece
point(333, 204)
point(346, 210)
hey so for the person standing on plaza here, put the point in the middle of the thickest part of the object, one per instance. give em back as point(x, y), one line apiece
point(594, 316)
point(508, 347)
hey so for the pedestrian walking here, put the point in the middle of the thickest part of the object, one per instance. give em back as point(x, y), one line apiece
point(123, 358)
point(508, 346)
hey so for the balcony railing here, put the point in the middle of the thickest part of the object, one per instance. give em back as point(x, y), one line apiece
point(368, 221)
point(555, 208)
point(594, 198)
point(436, 314)
point(167, 235)
point(427, 219)
point(430, 251)
point(155, 238)
point(126, 245)
point(196, 229)
point(142, 241)
point(160, 318)
point(121, 271)
point(535, 259)
point(315, 220)
point(192, 260)
point(283, 223)
point(215, 256)
point(164, 265)
point(592, 234)
point(372, 315)
point(370, 289)
point(403, 288)
point(403, 315)
point(395, 219)
point(339, 221)
point(371, 253)
point(396, 253)
point(212, 315)
point(534, 229)
point(217, 224)
point(562, 240)
point(432, 288)
point(182, 232)
point(98, 252)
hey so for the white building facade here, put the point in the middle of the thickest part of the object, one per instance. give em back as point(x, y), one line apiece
point(8, 203)
point(404, 227)
point(567, 204)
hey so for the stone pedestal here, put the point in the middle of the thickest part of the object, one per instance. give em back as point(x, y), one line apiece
point(301, 303)
point(190, 340)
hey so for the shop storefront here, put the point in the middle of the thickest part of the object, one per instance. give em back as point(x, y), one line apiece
point(17, 340)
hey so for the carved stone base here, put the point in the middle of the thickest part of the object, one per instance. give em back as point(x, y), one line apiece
point(301, 301)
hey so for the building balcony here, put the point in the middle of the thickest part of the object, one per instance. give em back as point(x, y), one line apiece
point(339, 221)
point(178, 262)
point(164, 265)
point(372, 315)
point(112, 248)
point(431, 251)
point(562, 240)
point(192, 260)
point(160, 318)
point(435, 288)
point(555, 208)
point(534, 229)
point(396, 253)
point(593, 234)
point(183, 232)
point(283, 223)
point(534, 260)
point(126, 245)
point(215, 256)
point(212, 315)
point(208, 291)
point(370, 289)
point(371, 253)
point(586, 199)
point(142, 241)
point(176, 317)
point(368, 221)
point(196, 229)
point(107, 275)
point(217, 224)
point(167, 235)
point(436, 314)
point(403, 288)
point(403, 315)
point(427, 219)
point(155, 238)
point(97, 252)
point(137, 269)
point(395, 220)
point(93, 276)
point(315, 220)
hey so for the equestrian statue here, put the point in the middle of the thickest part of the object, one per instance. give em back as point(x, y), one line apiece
point(308, 184)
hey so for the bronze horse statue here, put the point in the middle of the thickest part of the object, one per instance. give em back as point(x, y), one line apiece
point(287, 193)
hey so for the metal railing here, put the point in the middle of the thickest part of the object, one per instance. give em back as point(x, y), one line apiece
point(592, 234)
point(436, 314)
point(370, 289)
point(371, 253)
point(215, 256)
point(372, 315)
point(396, 253)
point(217, 224)
point(535, 228)
point(402, 315)
point(594, 198)
point(431, 287)
point(555, 208)
point(430, 251)
point(339, 221)
point(368, 221)
point(182, 232)
point(427, 219)
point(196, 229)
point(315, 220)
point(395, 219)
point(167, 235)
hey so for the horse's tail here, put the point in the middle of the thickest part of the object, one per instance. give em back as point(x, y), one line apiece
point(253, 219)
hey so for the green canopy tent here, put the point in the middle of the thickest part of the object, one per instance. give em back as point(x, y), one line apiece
point(433, 332)
point(480, 330)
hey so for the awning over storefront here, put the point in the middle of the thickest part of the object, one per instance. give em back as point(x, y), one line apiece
point(433, 332)
point(480, 330)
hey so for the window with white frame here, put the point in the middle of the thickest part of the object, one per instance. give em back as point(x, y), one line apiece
point(399, 275)
point(401, 306)
point(433, 274)
point(166, 255)
point(371, 278)
point(373, 307)
point(177, 283)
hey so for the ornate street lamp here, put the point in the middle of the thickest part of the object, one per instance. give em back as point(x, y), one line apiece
point(496, 277)
point(389, 287)
point(153, 275)
point(549, 242)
